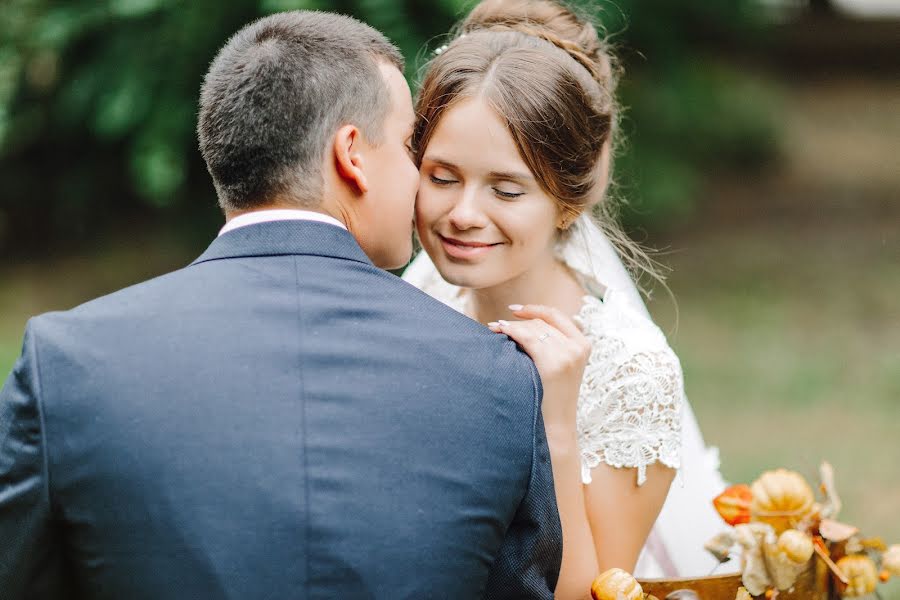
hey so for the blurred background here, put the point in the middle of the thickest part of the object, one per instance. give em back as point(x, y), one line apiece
point(761, 156)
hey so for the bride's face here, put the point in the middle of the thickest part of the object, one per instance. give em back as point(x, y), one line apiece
point(480, 213)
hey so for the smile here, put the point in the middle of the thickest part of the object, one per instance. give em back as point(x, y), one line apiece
point(463, 249)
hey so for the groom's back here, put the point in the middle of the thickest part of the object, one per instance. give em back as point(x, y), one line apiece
point(289, 426)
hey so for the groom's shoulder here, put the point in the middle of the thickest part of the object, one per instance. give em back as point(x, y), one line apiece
point(487, 357)
point(136, 298)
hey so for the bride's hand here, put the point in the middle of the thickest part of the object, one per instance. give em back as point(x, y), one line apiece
point(559, 351)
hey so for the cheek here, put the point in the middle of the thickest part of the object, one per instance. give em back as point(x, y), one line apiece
point(528, 224)
point(411, 170)
point(427, 206)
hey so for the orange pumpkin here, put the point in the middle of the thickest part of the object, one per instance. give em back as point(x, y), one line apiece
point(781, 498)
point(733, 505)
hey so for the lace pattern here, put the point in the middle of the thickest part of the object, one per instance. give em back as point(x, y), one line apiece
point(630, 403)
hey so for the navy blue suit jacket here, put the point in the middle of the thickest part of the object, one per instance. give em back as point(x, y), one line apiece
point(280, 419)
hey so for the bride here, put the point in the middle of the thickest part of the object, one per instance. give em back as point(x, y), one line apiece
point(516, 118)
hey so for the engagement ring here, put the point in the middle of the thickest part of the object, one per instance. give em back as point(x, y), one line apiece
point(543, 337)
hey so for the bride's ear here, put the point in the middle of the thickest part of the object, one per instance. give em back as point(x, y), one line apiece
point(566, 218)
point(347, 149)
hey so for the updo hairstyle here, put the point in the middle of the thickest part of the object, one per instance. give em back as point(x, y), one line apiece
point(550, 77)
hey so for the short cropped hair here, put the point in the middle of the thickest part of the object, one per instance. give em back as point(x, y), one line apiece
point(277, 92)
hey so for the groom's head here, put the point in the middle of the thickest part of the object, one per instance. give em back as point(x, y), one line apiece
point(310, 110)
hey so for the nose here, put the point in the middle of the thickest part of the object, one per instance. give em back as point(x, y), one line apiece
point(466, 212)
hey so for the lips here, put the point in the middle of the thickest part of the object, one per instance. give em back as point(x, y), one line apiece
point(465, 249)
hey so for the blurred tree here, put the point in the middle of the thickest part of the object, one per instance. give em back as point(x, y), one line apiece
point(98, 102)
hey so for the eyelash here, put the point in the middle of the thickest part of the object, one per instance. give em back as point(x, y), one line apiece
point(441, 182)
point(501, 194)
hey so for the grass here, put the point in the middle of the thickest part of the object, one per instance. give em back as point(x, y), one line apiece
point(790, 340)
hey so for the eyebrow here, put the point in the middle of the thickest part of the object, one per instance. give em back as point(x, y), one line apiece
point(510, 175)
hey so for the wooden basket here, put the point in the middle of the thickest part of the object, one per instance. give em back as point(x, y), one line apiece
point(813, 584)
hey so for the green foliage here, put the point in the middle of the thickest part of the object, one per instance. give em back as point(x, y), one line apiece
point(98, 100)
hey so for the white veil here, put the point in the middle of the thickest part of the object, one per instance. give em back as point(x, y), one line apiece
point(588, 251)
point(687, 520)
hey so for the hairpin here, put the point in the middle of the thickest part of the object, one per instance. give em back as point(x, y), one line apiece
point(442, 49)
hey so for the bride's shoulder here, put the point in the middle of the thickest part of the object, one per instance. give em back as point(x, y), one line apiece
point(614, 322)
point(628, 350)
point(630, 401)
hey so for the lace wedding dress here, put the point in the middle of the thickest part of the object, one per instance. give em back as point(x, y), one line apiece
point(631, 410)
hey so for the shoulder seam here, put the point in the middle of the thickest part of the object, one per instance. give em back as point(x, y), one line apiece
point(38, 400)
point(303, 415)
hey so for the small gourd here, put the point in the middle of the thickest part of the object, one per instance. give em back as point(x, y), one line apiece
point(861, 574)
point(781, 498)
point(616, 584)
point(796, 545)
point(743, 594)
point(890, 560)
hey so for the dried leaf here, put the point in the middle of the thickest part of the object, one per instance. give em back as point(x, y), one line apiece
point(720, 545)
point(833, 504)
point(822, 551)
point(833, 531)
point(752, 537)
point(782, 570)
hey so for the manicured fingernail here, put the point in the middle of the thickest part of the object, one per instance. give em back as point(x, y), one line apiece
point(515, 307)
point(493, 324)
point(502, 323)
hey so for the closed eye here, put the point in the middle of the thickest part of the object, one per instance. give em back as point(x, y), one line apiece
point(508, 195)
point(439, 181)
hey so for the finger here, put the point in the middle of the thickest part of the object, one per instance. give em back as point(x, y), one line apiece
point(534, 336)
point(552, 316)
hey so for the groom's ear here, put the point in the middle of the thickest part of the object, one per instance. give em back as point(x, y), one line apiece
point(347, 148)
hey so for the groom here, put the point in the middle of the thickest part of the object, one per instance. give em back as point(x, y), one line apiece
point(281, 418)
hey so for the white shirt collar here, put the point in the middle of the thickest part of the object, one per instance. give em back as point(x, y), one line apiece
point(266, 216)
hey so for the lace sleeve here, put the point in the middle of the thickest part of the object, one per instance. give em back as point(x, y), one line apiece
point(630, 403)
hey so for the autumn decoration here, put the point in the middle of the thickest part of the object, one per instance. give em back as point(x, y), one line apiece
point(779, 526)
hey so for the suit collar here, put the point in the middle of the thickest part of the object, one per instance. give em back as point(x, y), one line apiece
point(281, 238)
